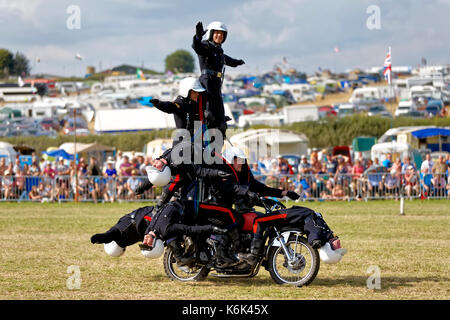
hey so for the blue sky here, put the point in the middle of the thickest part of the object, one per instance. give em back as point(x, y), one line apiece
point(260, 32)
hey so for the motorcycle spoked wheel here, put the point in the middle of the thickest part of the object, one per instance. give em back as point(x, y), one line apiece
point(182, 273)
point(302, 271)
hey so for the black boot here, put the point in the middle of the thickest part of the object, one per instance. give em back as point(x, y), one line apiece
point(178, 254)
point(107, 237)
point(223, 258)
point(256, 252)
point(235, 239)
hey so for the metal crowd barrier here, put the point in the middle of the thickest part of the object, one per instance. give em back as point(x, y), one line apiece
point(318, 187)
point(371, 186)
point(62, 189)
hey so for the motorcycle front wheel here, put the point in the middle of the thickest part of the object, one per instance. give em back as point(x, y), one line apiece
point(301, 270)
point(182, 273)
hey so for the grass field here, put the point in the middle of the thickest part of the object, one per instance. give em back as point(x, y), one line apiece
point(41, 241)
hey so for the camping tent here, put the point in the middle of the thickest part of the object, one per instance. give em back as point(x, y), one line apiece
point(363, 143)
point(156, 147)
point(270, 142)
point(397, 149)
point(59, 153)
point(7, 151)
point(92, 149)
point(70, 147)
point(434, 132)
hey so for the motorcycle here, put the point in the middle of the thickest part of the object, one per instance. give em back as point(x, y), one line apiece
point(288, 256)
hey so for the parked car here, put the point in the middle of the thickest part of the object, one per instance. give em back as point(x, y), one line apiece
point(346, 109)
point(376, 110)
point(79, 132)
point(327, 111)
point(49, 123)
point(415, 114)
point(69, 126)
point(434, 107)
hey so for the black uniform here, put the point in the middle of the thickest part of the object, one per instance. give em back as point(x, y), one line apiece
point(168, 223)
point(212, 61)
point(238, 187)
point(130, 228)
point(183, 175)
point(185, 112)
point(312, 223)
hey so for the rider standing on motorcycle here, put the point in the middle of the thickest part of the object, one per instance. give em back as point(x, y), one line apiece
point(212, 61)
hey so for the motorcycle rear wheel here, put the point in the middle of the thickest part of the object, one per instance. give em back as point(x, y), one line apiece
point(182, 273)
point(299, 273)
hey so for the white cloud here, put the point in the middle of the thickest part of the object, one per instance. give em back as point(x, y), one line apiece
point(261, 31)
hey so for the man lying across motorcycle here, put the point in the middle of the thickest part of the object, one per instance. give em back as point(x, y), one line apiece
point(246, 186)
point(130, 229)
point(146, 225)
point(137, 226)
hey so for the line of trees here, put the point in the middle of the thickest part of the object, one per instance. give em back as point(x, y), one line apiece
point(18, 64)
point(13, 64)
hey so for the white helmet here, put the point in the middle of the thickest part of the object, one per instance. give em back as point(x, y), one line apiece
point(156, 252)
point(113, 249)
point(158, 178)
point(188, 84)
point(328, 255)
point(233, 152)
point(216, 25)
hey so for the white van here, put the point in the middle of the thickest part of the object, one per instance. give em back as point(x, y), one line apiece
point(404, 107)
point(346, 109)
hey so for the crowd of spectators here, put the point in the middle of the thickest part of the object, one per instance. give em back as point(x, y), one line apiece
point(327, 177)
point(47, 181)
point(319, 176)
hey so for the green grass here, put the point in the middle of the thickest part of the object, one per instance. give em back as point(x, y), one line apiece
point(40, 241)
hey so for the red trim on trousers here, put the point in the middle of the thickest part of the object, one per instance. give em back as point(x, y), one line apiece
point(264, 219)
point(217, 208)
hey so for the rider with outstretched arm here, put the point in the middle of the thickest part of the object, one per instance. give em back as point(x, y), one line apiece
point(212, 61)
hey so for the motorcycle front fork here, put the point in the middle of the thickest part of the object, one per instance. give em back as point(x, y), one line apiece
point(286, 250)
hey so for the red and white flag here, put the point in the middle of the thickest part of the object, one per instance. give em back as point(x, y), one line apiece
point(387, 71)
point(336, 49)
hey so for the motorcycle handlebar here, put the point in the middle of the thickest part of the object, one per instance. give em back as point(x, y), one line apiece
point(269, 203)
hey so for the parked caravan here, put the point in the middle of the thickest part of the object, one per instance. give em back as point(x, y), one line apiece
point(14, 93)
point(299, 113)
point(364, 95)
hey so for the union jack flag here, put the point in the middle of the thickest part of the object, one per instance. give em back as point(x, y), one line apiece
point(387, 71)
